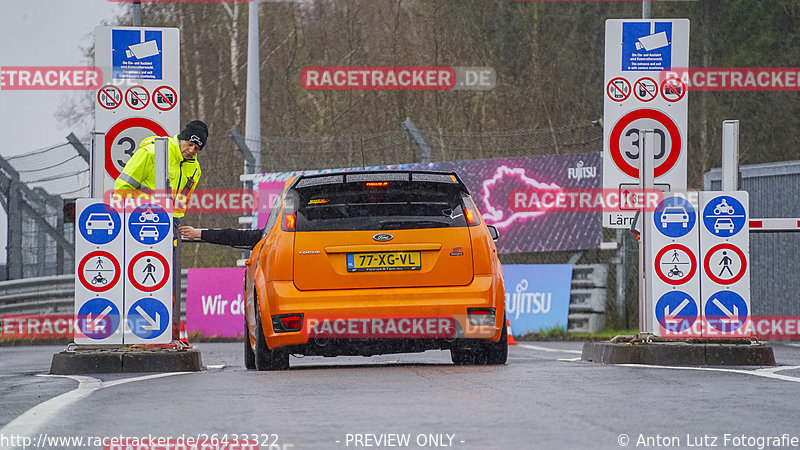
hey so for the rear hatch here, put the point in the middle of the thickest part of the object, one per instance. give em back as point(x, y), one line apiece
point(380, 230)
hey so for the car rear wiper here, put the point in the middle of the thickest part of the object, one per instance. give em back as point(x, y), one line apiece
point(400, 224)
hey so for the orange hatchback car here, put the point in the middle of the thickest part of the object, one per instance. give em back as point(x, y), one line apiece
point(368, 263)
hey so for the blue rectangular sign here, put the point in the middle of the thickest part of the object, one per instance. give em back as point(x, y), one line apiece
point(537, 296)
point(646, 46)
point(137, 54)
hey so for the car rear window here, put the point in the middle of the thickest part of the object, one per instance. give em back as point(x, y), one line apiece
point(379, 205)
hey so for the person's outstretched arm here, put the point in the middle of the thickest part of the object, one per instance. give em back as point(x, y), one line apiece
point(223, 236)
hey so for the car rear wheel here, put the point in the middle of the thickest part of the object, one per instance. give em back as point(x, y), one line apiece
point(492, 353)
point(265, 358)
point(249, 356)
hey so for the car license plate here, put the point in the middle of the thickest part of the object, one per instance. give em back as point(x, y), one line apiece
point(384, 261)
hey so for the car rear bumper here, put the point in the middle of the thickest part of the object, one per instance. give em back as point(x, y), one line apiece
point(367, 304)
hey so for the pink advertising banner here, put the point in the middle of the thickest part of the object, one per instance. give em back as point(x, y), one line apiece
point(215, 302)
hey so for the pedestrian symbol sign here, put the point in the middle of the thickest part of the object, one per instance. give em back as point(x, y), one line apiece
point(726, 311)
point(725, 264)
point(99, 271)
point(675, 264)
point(724, 216)
point(676, 311)
point(98, 318)
point(148, 318)
point(148, 271)
point(99, 223)
point(149, 224)
point(674, 217)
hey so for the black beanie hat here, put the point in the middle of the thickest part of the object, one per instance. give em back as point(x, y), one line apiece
point(196, 131)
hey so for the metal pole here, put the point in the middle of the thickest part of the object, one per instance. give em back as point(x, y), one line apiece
point(646, 184)
point(730, 155)
point(252, 126)
point(97, 164)
point(416, 136)
point(646, 9)
point(14, 217)
point(161, 174)
point(137, 13)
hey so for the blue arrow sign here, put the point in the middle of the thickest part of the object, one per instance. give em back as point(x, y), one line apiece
point(726, 311)
point(99, 223)
point(98, 318)
point(676, 311)
point(149, 224)
point(674, 217)
point(724, 216)
point(148, 318)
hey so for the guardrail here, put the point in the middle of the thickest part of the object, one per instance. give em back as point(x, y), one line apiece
point(55, 294)
point(48, 295)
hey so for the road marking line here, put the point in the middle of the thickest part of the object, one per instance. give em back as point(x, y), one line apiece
point(28, 422)
point(766, 373)
point(548, 349)
point(569, 359)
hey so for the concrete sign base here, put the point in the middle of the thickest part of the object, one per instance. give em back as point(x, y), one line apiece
point(122, 360)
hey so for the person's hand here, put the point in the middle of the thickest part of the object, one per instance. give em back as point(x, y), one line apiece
point(188, 232)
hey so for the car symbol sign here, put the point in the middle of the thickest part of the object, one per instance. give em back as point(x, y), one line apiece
point(383, 237)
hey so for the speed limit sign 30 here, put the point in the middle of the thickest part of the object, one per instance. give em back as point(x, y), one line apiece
point(124, 138)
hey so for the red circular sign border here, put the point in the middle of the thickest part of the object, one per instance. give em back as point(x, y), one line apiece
point(142, 287)
point(119, 127)
point(99, 91)
point(641, 99)
point(627, 119)
point(145, 103)
point(608, 91)
point(683, 94)
point(707, 262)
point(86, 258)
point(692, 258)
point(156, 104)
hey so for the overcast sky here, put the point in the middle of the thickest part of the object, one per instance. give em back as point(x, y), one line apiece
point(42, 33)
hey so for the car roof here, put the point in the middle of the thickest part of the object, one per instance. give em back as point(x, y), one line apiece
point(378, 175)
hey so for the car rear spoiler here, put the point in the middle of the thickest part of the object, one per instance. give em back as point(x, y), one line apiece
point(378, 176)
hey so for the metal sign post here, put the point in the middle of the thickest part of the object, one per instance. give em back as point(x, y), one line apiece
point(97, 165)
point(730, 155)
point(646, 186)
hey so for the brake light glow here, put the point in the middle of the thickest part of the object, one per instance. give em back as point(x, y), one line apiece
point(377, 183)
point(289, 222)
point(285, 323)
point(472, 218)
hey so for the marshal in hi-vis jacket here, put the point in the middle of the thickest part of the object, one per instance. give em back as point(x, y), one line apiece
point(138, 174)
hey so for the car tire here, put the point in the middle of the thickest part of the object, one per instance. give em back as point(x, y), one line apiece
point(249, 356)
point(266, 359)
point(492, 353)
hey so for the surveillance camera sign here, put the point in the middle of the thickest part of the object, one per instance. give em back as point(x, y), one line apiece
point(646, 46)
point(137, 54)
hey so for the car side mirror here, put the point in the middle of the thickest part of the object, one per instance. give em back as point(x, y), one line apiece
point(493, 232)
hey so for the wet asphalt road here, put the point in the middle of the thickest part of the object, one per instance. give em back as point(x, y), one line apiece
point(543, 398)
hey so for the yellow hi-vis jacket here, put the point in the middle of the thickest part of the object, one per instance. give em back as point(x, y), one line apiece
point(139, 175)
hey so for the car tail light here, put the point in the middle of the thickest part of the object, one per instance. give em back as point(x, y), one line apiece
point(470, 212)
point(482, 317)
point(289, 221)
point(284, 323)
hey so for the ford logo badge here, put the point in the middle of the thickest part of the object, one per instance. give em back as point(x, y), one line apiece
point(383, 237)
